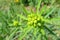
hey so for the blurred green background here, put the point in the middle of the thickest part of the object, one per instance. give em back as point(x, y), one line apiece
point(14, 19)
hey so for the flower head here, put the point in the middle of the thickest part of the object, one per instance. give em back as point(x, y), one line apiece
point(16, 1)
point(34, 20)
point(15, 23)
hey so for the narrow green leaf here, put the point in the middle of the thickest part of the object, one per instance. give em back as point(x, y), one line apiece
point(50, 31)
point(43, 9)
point(25, 33)
point(45, 37)
point(7, 38)
point(35, 31)
point(42, 32)
point(50, 12)
point(25, 10)
point(11, 35)
point(55, 21)
point(39, 37)
point(22, 16)
point(38, 5)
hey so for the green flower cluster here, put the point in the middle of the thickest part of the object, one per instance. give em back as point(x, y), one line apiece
point(35, 20)
point(15, 23)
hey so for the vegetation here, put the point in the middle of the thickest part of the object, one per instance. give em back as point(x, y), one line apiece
point(29, 20)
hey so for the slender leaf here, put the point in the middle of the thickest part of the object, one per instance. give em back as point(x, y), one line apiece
point(50, 12)
point(38, 5)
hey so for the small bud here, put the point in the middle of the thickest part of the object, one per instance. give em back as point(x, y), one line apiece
point(15, 23)
point(29, 19)
point(38, 18)
point(39, 24)
point(35, 21)
point(16, 1)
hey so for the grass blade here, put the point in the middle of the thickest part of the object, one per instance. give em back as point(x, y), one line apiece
point(38, 5)
point(50, 12)
point(24, 10)
point(11, 35)
point(25, 33)
point(39, 37)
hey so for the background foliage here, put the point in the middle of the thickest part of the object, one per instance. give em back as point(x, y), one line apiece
point(15, 18)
